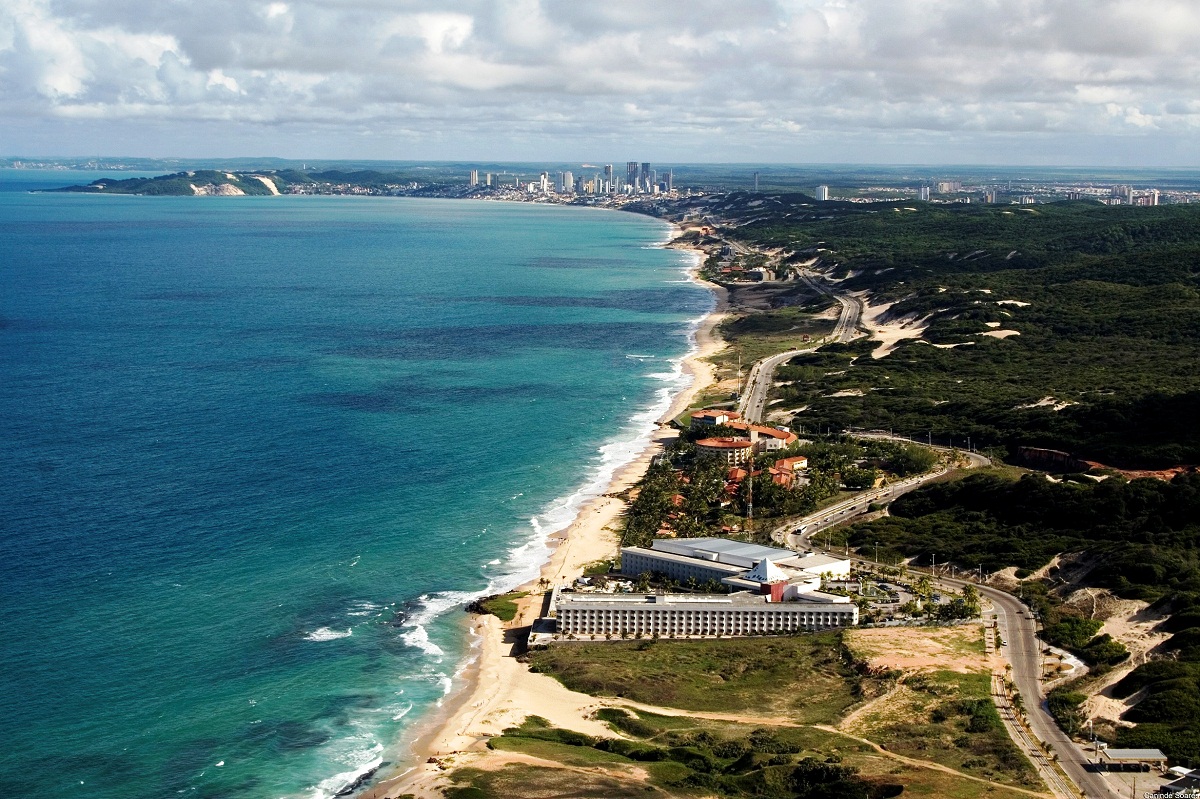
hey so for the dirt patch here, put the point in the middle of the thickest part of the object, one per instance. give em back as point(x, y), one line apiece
point(1166, 475)
point(912, 649)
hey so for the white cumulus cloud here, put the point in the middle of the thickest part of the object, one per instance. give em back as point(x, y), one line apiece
point(675, 79)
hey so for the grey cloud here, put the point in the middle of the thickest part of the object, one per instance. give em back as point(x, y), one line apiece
point(770, 74)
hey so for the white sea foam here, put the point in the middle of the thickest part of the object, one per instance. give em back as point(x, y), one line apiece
point(418, 638)
point(364, 608)
point(367, 760)
point(526, 558)
point(327, 634)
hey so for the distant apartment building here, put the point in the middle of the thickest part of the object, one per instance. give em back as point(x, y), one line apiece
point(821, 193)
point(474, 177)
point(923, 193)
point(949, 186)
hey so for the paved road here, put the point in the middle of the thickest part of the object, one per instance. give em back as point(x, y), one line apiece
point(1023, 651)
point(1059, 785)
point(753, 403)
point(852, 308)
point(798, 533)
point(975, 460)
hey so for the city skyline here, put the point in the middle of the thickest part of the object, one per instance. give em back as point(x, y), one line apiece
point(918, 81)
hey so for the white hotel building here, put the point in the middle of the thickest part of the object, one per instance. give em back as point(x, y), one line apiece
point(693, 615)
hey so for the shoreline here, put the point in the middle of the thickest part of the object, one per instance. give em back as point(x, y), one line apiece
point(496, 690)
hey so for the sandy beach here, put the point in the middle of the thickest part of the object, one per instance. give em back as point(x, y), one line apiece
point(498, 691)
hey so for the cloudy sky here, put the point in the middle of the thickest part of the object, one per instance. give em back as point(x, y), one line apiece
point(1102, 82)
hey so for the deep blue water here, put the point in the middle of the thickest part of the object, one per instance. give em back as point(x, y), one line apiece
point(256, 452)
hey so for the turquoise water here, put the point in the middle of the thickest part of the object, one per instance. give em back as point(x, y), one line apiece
point(258, 451)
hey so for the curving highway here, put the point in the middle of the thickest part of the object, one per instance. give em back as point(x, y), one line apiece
point(753, 403)
point(1023, 651)
point(852, 308)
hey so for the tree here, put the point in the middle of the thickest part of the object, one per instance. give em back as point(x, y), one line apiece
point(970, 597)
point(912, 459)
point(857, 479)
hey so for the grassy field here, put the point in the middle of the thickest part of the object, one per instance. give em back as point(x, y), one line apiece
point(947, 717)
point(802, 677)
point(769, 332)
point(504, 607)
point(522, 781)
point(701, 757)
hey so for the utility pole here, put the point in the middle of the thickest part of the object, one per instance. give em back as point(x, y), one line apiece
point(750, 494)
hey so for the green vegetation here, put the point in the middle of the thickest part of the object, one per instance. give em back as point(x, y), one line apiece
point(760, 763)
point(503, 607)
point(1143, 541)
point(949, 718)
point(179, 183)
point(689, 756)
point(1065, 705)
point(757, 335)
point(520, 781)
point(689, 494)
point(804, 677)
point(1144, 531)
point(1111, 324)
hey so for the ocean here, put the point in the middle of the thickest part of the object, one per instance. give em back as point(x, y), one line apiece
point(257, 452)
